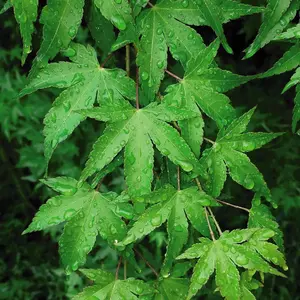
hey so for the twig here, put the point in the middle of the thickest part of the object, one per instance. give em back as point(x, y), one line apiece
point(106, 60)
point(208, 140)
point(99, 185)
point(125, 269)
point(177, 127)
point(150, 4)
point(137, 104)
point(209, 226)
point(235, 206)
point(118, 268)
point(128, 60)
point(198, 184)
point(173, 75)
point(146, 262)
point(215, 220)
point(178, 178)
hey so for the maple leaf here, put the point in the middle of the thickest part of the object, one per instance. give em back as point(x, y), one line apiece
point(228, 152)
point(176, 207)
point(87, 213)
point(163, 27)
point(26, 14)
point(202, 86)
point(277, 16)
point(56, 35)
point(238, 248)
point(84, 79)
point(108, 287)
point(136, 129)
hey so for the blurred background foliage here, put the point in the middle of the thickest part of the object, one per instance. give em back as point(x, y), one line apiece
point(29, 265)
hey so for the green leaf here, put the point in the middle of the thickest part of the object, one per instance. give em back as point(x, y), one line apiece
point(296, 111)
point(160, 33)
point(56, 35)
point(289, 61)
point(273, 13)
point(211, 14)
point(101, 30)
point(231, 250)
point(107, 287)
point(84, 79)
point(134, 133)
point(261, 217)
point(172, 289)
point(119, 14)
point(26, 14)
point(201, 86)
point(7, 5)
point(291, 33)
point(86, 213)
point(228, 148)
point(173, 206)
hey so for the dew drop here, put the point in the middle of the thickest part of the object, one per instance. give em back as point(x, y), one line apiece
point(119, 22)
point(144, 75)
point(186, 166)
point(156, 221)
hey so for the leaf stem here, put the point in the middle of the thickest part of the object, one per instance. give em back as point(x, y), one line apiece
point(106, 60)
point(127, 60)
point(215, 221)
point(235, 206)
point(198, 184)
point(173, 75)
point(118, 268)
point(209, 226)
point(137, 104)
point(178, 178)
point(125, 269)
point(146, 262)
point(208, 140)
point(150, 4)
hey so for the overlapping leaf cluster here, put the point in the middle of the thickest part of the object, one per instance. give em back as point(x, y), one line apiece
point(145, 125)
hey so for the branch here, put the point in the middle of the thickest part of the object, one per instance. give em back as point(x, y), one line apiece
point(235, 206)
point(209, 226)
point(127, 60)
point(106, 60)
point(208, 140)
point(137, 104)
point(215, 221)
point(178, 178)
point(173, 75)
point(198, 184)
point(146, 262)
point(118, 268)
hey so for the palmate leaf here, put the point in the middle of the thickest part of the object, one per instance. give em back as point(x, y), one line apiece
point(238, 248)
point(136, 129)
point(176, 207)
point(162, 27)
point(202, 86)
point(274, 21)
point(61, 19)
point(84, 79)
point(106, 287)
point(228, 151)
point(87, 213)
point(26, 14)
point(120, 15)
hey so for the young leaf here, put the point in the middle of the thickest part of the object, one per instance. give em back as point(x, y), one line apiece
point(119, 14)
point(135, 131)
point(203, 86)
point(107, 287)
point(26, 14)
point(56, 35)
point(84, 79)
point(273, 13)
point(175, 207)
point(87, 213)
point(228, 148)
point(224, 255)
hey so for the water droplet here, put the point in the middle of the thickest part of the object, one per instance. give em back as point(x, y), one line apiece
point(159, 31)
point(118, 1)
point(185, 3)
point(160, 64)
point(119, 22)
point(156, 221)
point(69, 213)
point(242, 260)
point(144, 75)
point(75, 266)
point(72, 32)
point(249, 183)
point(186, 166)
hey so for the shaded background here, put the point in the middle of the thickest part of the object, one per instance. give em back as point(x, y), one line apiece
point(29, 265)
